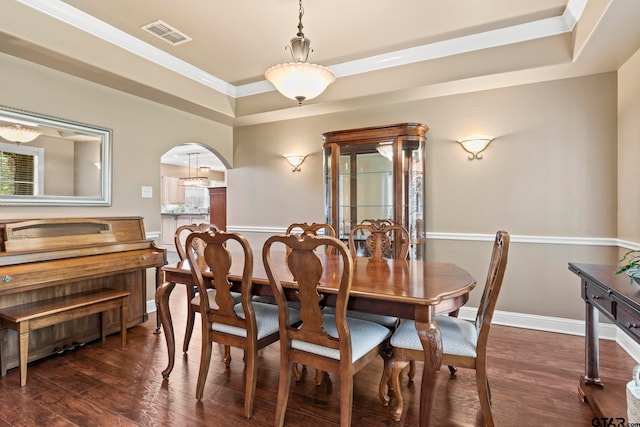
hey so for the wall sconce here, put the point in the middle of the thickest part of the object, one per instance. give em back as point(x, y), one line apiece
point(474, 145)
point(295, 161)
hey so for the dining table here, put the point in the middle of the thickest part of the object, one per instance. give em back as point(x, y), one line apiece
point(411, 289)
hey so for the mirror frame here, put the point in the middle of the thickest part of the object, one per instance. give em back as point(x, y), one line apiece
point(105, 135)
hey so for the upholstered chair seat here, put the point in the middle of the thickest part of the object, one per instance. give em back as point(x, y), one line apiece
point(459, 336)
point(266, 320)
point(364, 336)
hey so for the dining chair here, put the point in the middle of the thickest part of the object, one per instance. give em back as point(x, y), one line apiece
point(383, 239)
point(464, 343)
point(311, 229)
point(329, 342)
point(193, 297)
point(179, 239)
point(246, 325)
point(380, 237)
point(302, 228)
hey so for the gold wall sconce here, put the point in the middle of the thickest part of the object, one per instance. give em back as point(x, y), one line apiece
point(295, 160)
point(475, 145)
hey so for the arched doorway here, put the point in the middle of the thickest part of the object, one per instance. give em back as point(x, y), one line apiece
point(193, 189)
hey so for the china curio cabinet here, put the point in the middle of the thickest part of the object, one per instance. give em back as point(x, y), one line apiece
point(376, 173)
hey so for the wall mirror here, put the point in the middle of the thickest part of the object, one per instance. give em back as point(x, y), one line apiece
point(48, 161)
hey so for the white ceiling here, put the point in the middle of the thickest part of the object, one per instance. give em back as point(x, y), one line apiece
point(236, 41)
point(381, 51)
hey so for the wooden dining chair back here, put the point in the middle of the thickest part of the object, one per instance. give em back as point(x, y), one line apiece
point(381, 236)
point(312, 229)
point(464, 343)
point(193, 298)
point(380, 233)
point(246, 325)
point(315, 229)
point(383, 239)
point(329, 342)
point(180, 238)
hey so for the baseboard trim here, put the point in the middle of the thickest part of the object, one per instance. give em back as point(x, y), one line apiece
point(151, 306)
point(559, 325)
point(629, 345)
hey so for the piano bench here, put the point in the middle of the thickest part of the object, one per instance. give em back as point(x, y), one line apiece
point(34, 315)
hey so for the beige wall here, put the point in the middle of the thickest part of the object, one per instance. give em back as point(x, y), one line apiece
point(142, 132)
point(629, 150)
point(551, 172)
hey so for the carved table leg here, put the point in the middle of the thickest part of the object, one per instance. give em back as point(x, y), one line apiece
point(431, 340)
point(162, 301)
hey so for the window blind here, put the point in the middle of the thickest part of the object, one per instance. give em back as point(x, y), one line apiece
point(17, 177)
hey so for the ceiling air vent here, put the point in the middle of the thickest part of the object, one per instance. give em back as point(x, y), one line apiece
point(166, 32)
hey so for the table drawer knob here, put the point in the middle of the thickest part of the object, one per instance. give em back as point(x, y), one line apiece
point(6, 278)
point(595, 297)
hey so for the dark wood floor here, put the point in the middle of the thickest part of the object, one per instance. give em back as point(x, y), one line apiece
point(534, 377)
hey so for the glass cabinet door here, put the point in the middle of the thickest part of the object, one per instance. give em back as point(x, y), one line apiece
point(374, 174)
point(365, 189)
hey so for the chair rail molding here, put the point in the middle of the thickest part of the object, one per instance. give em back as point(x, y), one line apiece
point(481, 237)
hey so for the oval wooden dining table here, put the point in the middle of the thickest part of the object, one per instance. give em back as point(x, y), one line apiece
point(403, 288)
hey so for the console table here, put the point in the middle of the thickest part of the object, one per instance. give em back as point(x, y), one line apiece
point(619, 300)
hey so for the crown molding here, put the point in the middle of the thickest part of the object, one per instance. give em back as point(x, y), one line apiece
point(504, 36)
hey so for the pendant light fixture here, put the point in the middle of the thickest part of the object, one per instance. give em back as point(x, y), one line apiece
point(18, 134)
point(195, 181)
point(300, 80)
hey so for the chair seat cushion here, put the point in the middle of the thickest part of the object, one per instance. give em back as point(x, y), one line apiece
point(272, 300)
point(364, 336)
point(237, 297)
point(387, 321)
point(459, 337)
point(266, 320)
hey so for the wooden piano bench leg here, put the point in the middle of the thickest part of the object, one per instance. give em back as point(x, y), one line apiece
point(23, 350)
point(103, 326)
point(124, 315)
point(22, 328)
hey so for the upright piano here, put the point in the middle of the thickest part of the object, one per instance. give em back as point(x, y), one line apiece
point(47, 258)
